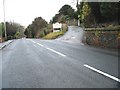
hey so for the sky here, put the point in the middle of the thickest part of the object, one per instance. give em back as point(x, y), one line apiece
point(24, 11)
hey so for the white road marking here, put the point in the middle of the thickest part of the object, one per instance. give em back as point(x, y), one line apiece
point(40, 44)
point(73, 37)
point(35, 45)
point(56, 52)
point(103, 73)
point(49, 49)
point(81, 44)
point(31, 40)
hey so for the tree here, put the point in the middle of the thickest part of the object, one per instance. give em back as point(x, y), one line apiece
point(55, 18)
point(104, 11)
point(96, 13)
point(67, 10)
point(28, 31)
point(11, 28)
point(37, 26)
point(1, 29)
point(109, 10)
point(65, 13)
point(95, 10)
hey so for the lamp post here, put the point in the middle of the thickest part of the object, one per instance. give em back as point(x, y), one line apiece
point(78, 11)
point(4, 19)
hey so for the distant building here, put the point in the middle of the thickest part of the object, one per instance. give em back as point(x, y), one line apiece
point(57, 27)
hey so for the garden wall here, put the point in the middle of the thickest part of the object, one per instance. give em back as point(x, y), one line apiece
point(102, 37)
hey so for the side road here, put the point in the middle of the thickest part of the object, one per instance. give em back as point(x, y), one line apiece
point(4, 44)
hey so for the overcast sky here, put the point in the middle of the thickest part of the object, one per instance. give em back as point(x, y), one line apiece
point(24, 11)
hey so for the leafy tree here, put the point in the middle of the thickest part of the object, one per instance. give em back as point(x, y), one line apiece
point(105, 11)
point(66, 13)
point(66, 10)
point(95, 10)
point(12, 29)
point(1, 29)
point(94, 13)
point(55, 18)
point(109, 10)
point(28, 31)
point(37, 25)
point(17, 35)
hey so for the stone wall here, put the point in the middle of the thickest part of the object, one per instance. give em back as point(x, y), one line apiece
point(102, 37)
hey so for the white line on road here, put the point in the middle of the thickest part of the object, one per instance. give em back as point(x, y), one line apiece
point(40, 44)
point(35, 45)
point(81, 43)
point(56, 52)
point(50, 49)
point(103, 73)
point(73, 37)
point(31, 40)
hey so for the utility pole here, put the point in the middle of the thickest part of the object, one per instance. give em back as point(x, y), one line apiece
point(4, 19)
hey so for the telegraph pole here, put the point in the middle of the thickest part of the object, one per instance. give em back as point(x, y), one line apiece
point(4, 19)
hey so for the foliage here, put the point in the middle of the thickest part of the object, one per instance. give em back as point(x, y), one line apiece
point(17, 35)
point(1, 26)
point(55, 18)
point(85, 10)
point(54, 35)
point(36, 28)
point(93, 14)
point(109, 10)
point(66, 13)
point(11, 29)
point(102, 38)
point(67, 10)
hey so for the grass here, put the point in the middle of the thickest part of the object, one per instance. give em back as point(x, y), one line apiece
point(54, 35)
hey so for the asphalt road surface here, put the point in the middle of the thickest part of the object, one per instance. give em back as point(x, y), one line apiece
point(73, 35)
point(35, 63)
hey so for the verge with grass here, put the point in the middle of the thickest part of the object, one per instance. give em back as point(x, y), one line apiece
point(54, 35)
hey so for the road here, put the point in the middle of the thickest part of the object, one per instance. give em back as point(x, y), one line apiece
point(73, 35)
point(35, 63)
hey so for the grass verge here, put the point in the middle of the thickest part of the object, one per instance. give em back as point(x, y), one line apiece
point(54, 35)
